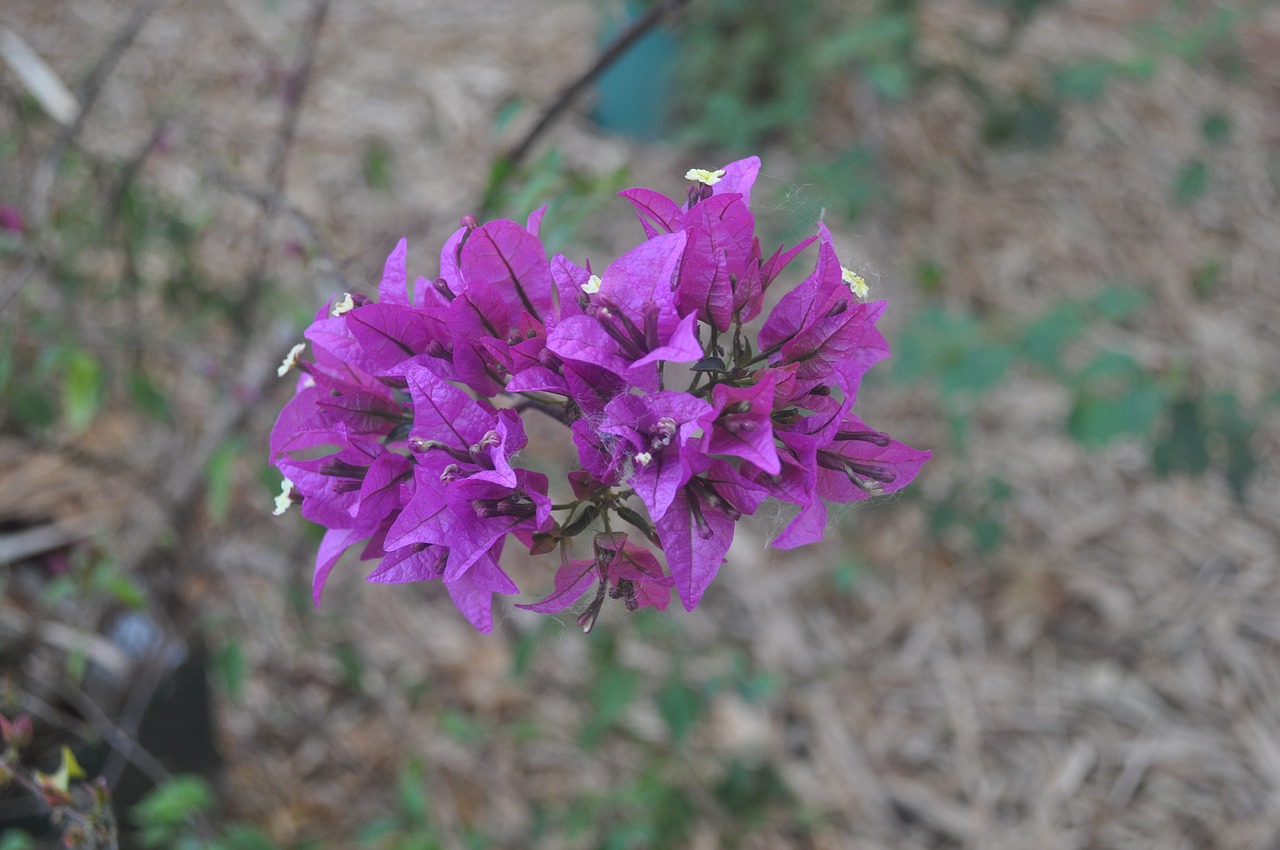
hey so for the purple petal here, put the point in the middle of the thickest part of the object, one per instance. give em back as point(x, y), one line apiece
point(336, 541)
point(394, 287)
point(682, 347)
point(694, 549)
point(645, 276)
point(449, 261)
point(803, 306)
point(656, 211)
point(747, 435)
point(380, 491)
point(445, 413)
point(738, 178)
point(720, 243)
point(392, 333)
point(582, 339)
point(772, 267)
point(472, 592)
point(807, 527)
point(569, 278)
point(411, 563)
point(534, 223)
point(572, 580)
point(509, 258)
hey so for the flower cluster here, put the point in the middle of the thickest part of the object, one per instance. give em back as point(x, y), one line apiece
point(405, 430)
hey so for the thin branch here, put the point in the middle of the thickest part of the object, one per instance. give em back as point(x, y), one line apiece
point(295, 94)
point(562, 101)
point(124, 744)
point(42, 182)
point(310, 230)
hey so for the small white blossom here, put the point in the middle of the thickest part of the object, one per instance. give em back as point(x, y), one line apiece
point(346, 305)
point(701, 175)
point(857, 283)
point(291, 359)
point(592, 286)
point(285, 499)
point(643, 459)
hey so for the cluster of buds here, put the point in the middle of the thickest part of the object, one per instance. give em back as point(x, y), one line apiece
point(406, 426)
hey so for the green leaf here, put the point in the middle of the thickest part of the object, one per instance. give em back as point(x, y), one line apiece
point(461, 727)
point(106, 578)
point(679, 706)
point(866, 39)
point(1118, 303)
point(1191, 182)
point(1096, 421)
point(32, 407)
point(1207, 279)
point(846, 574)
point(230, 668)
point(978, 369)
point(988, 532)
point(219, 477)
point(890, 80)
point(412, 788)
point(163, 813)
point(375, 165)
point(12, 839)
point(1084, 81)
point(930, 276)
point(1046, 337)
point(238, 836)
point(1030, 122)
point(1184, 446)
point(81, 389)
point(148, 398)
point(1109, 373)
point(1237, 431)
point(611, 693)
point(1216, 127)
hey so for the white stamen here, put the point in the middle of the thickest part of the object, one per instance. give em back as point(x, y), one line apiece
point(285, 499)
point(857, 283)
point(346, 305)
point(592, 286)
point(701, 175)
point(643, 459)
point(291, 359)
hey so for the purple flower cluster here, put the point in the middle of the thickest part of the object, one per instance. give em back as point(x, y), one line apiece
point(405, 430)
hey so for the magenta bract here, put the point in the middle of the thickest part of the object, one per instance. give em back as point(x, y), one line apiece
point(406, 428)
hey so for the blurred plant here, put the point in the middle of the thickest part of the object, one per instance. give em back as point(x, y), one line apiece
point(179, 813)
point(79, 813)
point(576, 197)
point(1186, 428)
point(751, 73)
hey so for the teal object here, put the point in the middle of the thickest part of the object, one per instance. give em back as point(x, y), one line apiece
point(633, 94)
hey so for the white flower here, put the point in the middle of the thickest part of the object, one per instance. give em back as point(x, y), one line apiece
point(285, 499)
point(857, 283)
point(701, 175)
point(346, 305)
point(592, 286)
point(643, 459)
point(290, 360)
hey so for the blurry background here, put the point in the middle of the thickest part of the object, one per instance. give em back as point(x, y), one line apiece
point(1063, 635)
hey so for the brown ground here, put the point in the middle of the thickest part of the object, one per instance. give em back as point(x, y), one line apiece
point(1110, 677)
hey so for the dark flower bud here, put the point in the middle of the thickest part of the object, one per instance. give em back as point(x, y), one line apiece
point(442, 286)
point(874, 437)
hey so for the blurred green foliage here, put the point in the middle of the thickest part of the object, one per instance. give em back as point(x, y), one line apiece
point(572, 197)
point(1185, 426)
